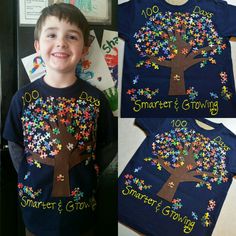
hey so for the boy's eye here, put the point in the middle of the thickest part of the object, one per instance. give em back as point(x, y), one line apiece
point(51, 35)
point(73, 37)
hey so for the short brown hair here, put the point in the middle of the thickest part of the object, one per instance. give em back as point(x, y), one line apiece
point(64, 11)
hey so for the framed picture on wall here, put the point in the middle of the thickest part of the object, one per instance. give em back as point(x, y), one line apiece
point(96, 11)
point(30, 10)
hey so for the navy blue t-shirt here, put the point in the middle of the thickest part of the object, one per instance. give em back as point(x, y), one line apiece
point(177, 181)
point(61, 130)
point(177, 59)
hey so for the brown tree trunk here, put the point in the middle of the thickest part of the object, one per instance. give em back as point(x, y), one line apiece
point(168, 190)
point(61, 182)
point(177, 82)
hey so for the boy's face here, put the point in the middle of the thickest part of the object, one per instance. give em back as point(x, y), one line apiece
point(61, 45)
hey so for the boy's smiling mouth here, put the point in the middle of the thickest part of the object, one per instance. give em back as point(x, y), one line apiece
point(60, 55)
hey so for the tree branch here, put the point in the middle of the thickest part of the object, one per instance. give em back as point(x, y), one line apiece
point(171, 34)
point(207, 49)
point(46, 161)
point(189, 158)
point(188, 178)
point(160, 63)
point(192, 62)
point(167, 168)
point(76, 157)
point(201, 173)
point(180, 42)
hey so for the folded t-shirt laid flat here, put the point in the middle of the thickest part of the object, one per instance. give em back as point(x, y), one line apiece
point(178, 179)
point(177, 59)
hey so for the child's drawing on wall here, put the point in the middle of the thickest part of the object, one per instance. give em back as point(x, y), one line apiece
point(112, 62)
point(93, 67)
point(94, 10)
point(83, 71)
point(50, 2)
point(109, 49)
point(83, 5)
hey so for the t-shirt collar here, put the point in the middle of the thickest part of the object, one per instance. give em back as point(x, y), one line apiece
point(175, 8)
point(218, 127)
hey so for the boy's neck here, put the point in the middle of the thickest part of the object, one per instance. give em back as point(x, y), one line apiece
point(60, 80)
point(176, 2)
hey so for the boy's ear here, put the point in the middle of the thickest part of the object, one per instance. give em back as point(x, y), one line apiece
point(36, 45)
point(85, 51)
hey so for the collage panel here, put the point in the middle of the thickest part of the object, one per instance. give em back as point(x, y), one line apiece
point(178, 58)
point(58, 117)
point(176, 176)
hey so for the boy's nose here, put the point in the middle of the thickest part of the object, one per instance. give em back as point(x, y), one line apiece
point(61, 43)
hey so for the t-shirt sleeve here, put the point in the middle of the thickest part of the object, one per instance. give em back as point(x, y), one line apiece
point(13, 126)
point(105, 127)
point(16, 153)
point(106, 135)
point(149, 125)
point(226, 18)
point(126, 13)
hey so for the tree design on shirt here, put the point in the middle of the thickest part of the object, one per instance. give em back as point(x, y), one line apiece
point(188, 156)
point(60, 133)
point(178, 41)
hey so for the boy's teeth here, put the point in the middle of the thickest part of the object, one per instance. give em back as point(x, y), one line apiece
point(60, 54)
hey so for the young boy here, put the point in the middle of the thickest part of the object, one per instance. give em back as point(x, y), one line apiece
point(55, 127)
